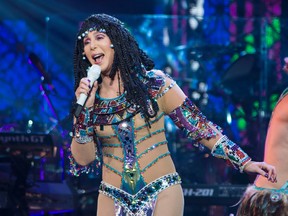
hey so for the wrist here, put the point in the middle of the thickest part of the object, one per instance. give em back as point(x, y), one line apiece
point(246, 165)
point(83, 133)
point(228, 150)
point(83, 129)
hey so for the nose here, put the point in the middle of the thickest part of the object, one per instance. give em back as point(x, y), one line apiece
point(93, 45)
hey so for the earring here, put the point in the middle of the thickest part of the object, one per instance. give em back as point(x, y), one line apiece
point(112, 46)
point(83, 56)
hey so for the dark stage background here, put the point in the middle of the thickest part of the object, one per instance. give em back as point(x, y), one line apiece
point(226, 55)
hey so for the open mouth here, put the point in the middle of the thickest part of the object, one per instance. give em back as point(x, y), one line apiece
point(98, 58)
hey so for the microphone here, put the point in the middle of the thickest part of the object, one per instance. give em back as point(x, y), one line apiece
point(93, 74)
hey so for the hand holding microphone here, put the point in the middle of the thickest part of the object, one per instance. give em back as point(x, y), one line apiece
point(92, 75)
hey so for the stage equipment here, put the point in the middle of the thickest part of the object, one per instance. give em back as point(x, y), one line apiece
point(241, 76)
point(51, 197)
point(28, 167)
point(206, 194)
point(33, 145)
point(46, 85)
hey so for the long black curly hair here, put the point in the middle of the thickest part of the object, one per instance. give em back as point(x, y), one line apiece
point(129, 59)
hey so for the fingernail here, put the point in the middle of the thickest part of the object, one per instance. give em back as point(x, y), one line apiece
point(266, 175)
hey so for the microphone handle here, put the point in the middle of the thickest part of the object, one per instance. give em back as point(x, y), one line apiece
point(79, 105)
point(78, 110)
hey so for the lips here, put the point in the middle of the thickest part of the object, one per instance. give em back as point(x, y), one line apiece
point(98, 58)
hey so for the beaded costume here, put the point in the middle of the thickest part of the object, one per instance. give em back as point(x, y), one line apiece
point(283, 189)
point(135, 156)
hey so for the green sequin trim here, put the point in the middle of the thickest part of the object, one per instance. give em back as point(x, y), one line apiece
point(166, 89)
point(155, 161)
point(151, 148)
point(113, 156)
point(149, 135)
point(152, 122)
point(112, 169)
point(107, 136)
point(111, 145)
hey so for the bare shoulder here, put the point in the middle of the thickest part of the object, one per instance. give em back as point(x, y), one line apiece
point(159, 72)
point(282, 105)
point(166, 77)
point(162, 74)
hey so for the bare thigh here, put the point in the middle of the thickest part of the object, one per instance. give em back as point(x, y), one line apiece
point(170, 202)
point(105, 206)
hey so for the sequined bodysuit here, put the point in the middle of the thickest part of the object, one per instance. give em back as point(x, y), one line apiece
point(283, 189)
point(137, 164)
point(132, 152)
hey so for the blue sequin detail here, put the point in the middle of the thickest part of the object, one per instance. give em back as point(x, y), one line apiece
point(138, 204)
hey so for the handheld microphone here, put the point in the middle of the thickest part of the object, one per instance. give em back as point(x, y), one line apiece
point(93, 74)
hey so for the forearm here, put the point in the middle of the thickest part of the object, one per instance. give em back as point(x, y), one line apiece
point(82, 145)
point(211, 141)
point(197, 127)
point(83, 154)
point(189, 118)
point(226, 149)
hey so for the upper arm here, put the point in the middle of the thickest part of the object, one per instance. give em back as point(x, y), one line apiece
point(278, 125)
point(281, 110)
point(170, 95)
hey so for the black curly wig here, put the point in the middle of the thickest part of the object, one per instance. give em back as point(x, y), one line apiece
point(129, 59)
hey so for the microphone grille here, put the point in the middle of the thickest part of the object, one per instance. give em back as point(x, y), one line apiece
point(94, 73)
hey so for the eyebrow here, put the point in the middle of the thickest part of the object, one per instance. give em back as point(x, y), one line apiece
point(95, 32)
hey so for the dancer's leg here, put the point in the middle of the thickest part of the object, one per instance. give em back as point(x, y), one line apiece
point(170, 202)
point(105, 206)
